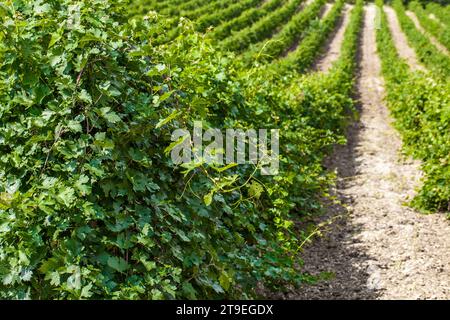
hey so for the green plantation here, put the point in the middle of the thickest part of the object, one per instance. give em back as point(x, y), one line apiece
point(91, 204)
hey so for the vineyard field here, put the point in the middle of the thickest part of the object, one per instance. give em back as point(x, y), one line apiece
point(224, 149)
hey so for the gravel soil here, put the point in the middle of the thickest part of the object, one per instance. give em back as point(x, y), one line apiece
point(333, 47)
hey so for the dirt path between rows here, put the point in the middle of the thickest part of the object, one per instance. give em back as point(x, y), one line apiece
point(376, 247)
point(401, 43)
point(325, 10)
point(333, 48)
point(432, 39)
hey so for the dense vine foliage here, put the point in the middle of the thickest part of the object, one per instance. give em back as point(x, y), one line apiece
point(90, 204)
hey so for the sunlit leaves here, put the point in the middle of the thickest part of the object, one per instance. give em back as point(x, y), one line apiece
point(91, 206)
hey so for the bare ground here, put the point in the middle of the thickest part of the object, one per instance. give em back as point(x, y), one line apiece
point(376, 247)
point(333, 47)
point(325, 9)
point(432, 39)
point(401, 43)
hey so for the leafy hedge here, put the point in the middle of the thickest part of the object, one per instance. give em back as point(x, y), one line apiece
point(90, 205)
point(420, 105)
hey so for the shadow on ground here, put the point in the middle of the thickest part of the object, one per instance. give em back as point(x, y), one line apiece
point(336, 255)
